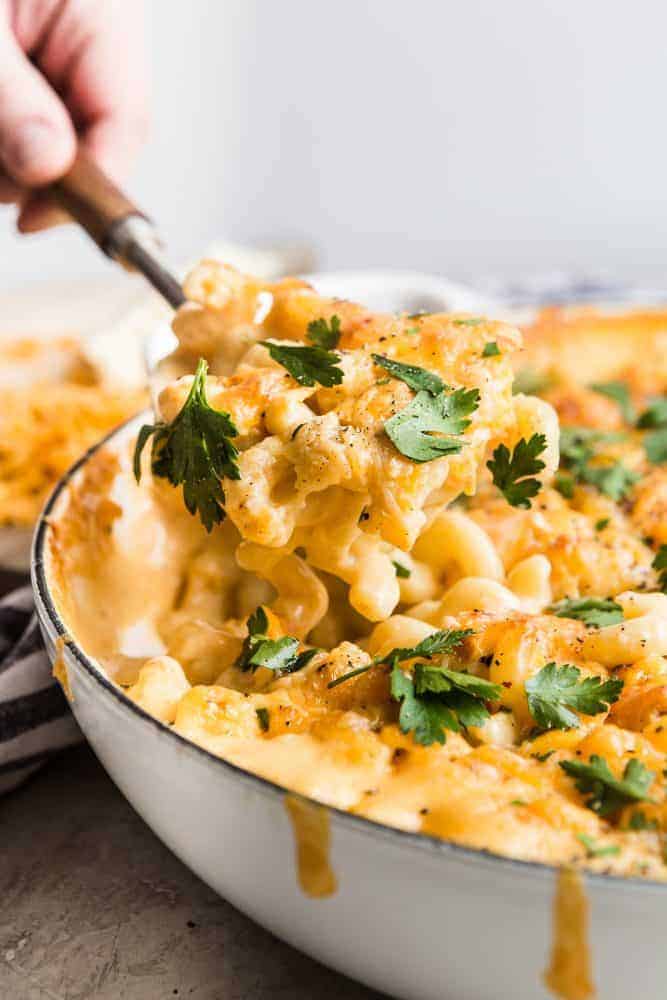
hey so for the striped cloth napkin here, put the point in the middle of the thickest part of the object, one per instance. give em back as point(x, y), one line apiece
point(35, 720)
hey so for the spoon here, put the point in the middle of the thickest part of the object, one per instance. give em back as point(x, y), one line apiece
point(120, 229)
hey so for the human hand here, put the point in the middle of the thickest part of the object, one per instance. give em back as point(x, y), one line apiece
point(68, 68)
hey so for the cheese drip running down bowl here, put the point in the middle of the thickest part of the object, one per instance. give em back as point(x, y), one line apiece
point(420, 647)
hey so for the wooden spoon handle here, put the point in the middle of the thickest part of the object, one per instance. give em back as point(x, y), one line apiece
point(93, 200)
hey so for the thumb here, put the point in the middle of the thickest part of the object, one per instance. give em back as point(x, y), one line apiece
point(37, 139)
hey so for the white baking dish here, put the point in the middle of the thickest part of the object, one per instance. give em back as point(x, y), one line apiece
point(415, 917)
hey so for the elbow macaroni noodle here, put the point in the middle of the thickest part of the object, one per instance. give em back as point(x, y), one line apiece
point(350, 545)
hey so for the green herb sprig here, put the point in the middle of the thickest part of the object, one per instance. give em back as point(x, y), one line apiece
point(308, 366)
point(194, 451)
point(279, 655)
point(513, 472)
point(323, 334)
point(594, 612)
point(607, 794)
point(659, 564)
point(556, 693)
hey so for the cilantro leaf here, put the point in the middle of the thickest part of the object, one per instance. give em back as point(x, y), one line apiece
point(592, 849)
point(594, 612)
point(263, 719)
point(607, 794)
point(577, 449)
point(620, 393)
point(639, 821)
point(402, 572)
point(414, 430)
point(578, 444)
point(194, 451)
point(427, 720)
point(614, 480)
point(491, 349)
point(602, 523)
point(655, 446)
point(444, 641)
point(659, 564)
point(278, 655)
point(510, 472)
point(439, 680)
point(323, 334)
point(554, 690)
point(307, 365)
point(530, 382)
point(469, 321)
point(414, 376)
point(655, 415)
point(435, 699)
point(350, 674)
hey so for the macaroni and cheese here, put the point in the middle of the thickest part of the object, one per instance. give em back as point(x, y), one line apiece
point(398, 564)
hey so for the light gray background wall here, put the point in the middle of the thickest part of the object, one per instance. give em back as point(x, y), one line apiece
point(470, 137)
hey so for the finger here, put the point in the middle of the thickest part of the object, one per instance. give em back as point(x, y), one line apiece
point(40, 211)
point(10, 191)
point(37, 141)
point(109, 102)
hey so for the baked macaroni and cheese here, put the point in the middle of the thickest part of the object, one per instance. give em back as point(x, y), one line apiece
point(54, 404)
point(398, 564)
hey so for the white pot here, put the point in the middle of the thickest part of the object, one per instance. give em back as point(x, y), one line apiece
point(412, 916)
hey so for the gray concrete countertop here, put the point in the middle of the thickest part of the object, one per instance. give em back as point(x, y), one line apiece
point(94, 907)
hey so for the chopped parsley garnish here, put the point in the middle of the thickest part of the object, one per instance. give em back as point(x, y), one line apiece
point(659, 564)
point(263, 719)
point(607, 794)
point(491, 349)
point(594, 612)
point(402, 572)
point(438, 643)
point(511, 472)
point(279, 655)
point(554, 691)
point(639, 821)
point(543, 756)
point(619, 392)
point(350, 674)
point(444, 641)
point(530, 382)
point(578, 449)
point(470, 321)
point(602, 523)
point(614, 480)
point(324, 334)
point(414, 376)
point(594, 851)
point(564, 484)
point(655, 446)
point(654, 415)
point(194, 451)
point(427, 428)
point(307, 365)
point(435, 699)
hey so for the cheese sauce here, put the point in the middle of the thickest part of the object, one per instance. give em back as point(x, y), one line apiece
point(312, 836)
point(569, 973)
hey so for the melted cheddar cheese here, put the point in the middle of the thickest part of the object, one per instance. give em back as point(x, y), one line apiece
point(324, 510)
